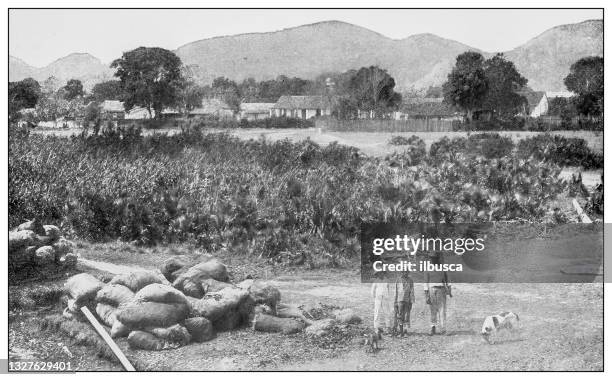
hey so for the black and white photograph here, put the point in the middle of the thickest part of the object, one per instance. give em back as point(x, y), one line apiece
point(307, 189)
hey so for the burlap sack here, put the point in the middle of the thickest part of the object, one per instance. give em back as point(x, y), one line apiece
point(176, 335)
point(160, 293)
point(200, 328)
point(106, 313)
point(115, 295)
point(69, 260)
point(264, 293)
point(230, 321)
point(52, 232)
point(217, 305)
point(119, 330)
point(63, 246)
point(83, 287)
point(196, 274)
point(142, 340)
point(137, 280)
point(33, 225)
point(22, 239)
point(212, 285)
point(270, 323)
point(173, 265)
point(138, 315)
point(347, 316)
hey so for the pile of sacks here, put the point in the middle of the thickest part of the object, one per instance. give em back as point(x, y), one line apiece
point(33, 243)
point(183, 302)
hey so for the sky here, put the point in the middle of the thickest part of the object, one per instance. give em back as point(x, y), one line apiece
point(41, 36)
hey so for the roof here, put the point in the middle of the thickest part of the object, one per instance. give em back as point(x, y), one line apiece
point(559, 94)
point(112, 106)
point(210, 106)
point(303, 102)
point(423, 100)
point(533, 98)
point(427, 108)
point(27, 111)
point(256, 107)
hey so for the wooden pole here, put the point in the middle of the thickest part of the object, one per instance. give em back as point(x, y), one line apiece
point(109, 341)
point(584, 218)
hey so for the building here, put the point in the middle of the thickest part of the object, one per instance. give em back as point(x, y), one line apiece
point(112, 110)
point(302, 107)
point(213, 107)
point(536, 104)
point(559, 94)
point(254, 111)
point(427, 108)
point(139, 113)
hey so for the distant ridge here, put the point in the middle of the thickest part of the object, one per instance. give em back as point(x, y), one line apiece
point(417, 61)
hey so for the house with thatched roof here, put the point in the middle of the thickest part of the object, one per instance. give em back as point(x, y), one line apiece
point(112, 109)
point(213, 107)
point(254, 111)
point(302, 107)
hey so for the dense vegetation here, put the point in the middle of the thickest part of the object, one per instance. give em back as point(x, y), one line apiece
point(266, 198)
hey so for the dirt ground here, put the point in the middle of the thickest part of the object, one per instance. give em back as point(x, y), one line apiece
point(561, 326)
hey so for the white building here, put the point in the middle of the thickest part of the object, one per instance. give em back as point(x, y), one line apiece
point(301, 107)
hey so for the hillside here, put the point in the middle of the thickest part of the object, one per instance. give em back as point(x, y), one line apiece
point(332, 46)
point(83, 66)
point(310, 50)
point(545, 60)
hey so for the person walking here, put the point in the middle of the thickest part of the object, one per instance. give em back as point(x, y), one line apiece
point(437, 288)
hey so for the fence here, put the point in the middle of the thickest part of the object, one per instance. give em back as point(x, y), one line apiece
point(385, 125)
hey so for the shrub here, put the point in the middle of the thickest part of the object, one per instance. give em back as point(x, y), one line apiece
point(560, 150)
point(490, 145)
point(215, 190)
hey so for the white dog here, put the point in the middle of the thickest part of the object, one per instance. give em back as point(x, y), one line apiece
point(494, 323)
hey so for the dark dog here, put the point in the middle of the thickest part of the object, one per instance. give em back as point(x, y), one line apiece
point(371, 340)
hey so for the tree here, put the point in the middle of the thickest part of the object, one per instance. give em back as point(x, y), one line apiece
point(50, 85)
point(503, 80)
point(226, 89)
point(73, 89)
point(466, 86)
point(109, 90)
point(23, 94)
point(434, 92)
point(372, 89)
point(150, 78)
point(586, 80)
point(191, 96)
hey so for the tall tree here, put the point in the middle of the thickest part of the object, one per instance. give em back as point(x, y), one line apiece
point(503, 80)
point(372, 90)
point(466, 86)
point(228, 90)
point(73, 89)
point(108, 90)
point(150, 78)
point(23, 94)
point(586, 80)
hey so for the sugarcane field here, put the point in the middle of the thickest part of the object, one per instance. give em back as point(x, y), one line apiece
point(333, 196)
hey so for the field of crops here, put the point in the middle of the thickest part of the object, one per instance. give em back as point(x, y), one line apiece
point(281, 198)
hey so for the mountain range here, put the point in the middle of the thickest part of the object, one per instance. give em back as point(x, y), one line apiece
point(418, 61)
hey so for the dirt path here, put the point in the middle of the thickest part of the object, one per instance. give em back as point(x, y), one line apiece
point(561, 329)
